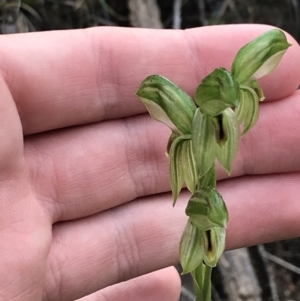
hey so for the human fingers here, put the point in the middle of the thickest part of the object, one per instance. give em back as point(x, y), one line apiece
point(123, 235)
point(85, 170)
point(143, 236)
point(67, 78)
point(262, 208)
point(24, 228)
point(160, 285)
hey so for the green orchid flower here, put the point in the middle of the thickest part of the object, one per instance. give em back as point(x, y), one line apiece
point(226, 107)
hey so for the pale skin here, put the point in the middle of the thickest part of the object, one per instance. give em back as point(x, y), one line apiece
point(58, 240)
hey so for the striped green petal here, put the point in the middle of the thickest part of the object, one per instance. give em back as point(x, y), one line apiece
point(203, 139)
point(228, 141)
point(248, 109)
point(214, 245)
point(191, 248)
point(176, 165)
point(189, 166)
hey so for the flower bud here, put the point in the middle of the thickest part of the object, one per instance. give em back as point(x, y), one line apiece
point(259, 57)
point(207, 209)
point(167, 103)
point(218, 91)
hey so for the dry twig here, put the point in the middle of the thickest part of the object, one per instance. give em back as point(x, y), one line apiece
point(177, 14)
point(202, 12)
point(271, 276)
point(282, 262)
point(144, 13)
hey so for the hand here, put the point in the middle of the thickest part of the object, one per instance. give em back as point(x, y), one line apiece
point(85, 199)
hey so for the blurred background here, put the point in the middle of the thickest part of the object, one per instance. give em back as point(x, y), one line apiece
point(37, 15)
point(268, 272)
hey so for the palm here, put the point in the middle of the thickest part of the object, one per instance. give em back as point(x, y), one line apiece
point(78, 211)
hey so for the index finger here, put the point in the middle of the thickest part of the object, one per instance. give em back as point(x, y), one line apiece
point(68, 78)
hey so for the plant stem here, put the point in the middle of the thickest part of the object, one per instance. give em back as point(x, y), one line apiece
point(202, 283)
point(202, 274)
point(209, 179)
point(207, 287)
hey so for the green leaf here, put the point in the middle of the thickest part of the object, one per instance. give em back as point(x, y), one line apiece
point(202, 283)
point(229, 127)
point(191, 248)
point(214, 245)
point(167, 103)
point(203, 139)
point(176, 165)
point(248, 109)
point(218, 91)
point(189, 166)
point(207, 209)
point(259, 57)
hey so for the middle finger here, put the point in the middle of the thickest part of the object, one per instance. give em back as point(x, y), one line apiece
point(92, 168)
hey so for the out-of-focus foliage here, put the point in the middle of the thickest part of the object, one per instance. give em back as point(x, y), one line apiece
point(36, 15)
point(39, 15)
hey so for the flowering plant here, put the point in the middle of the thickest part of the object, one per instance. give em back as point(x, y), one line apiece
point(226, 107)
